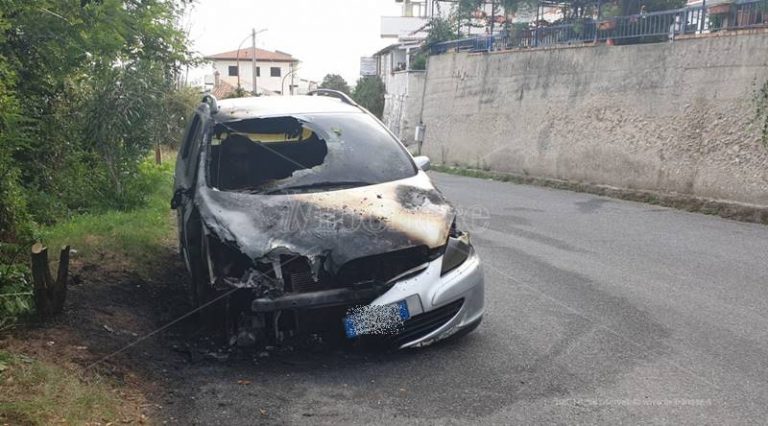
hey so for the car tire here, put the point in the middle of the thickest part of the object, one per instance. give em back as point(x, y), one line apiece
point(213, 311)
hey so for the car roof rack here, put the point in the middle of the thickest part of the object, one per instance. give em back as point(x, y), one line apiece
point(213, 104)
point(333, 94)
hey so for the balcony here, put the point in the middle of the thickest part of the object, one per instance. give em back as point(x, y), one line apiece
point(403, 26)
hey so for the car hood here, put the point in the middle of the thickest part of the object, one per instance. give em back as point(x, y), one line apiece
point(331, 227)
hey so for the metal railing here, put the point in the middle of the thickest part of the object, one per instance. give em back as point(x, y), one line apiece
point(650, 27)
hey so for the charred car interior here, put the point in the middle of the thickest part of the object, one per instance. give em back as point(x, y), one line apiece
point(258, 151)
point(307, 217)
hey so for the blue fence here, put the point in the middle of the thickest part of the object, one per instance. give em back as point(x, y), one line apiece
point(641, 28)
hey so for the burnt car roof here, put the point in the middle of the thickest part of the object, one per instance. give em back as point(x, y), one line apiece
point(271, 106)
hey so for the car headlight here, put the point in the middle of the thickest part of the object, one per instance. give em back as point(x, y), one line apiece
point(224, 260)
point(457, 251)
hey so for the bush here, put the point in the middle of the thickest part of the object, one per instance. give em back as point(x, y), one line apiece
point(440, 30)
point(15, 293)
point(369, 92)
point(419, 62)
point(75, 130)
point(761, 100)
point(135, 234)
point(15, 223)
point(95, 100)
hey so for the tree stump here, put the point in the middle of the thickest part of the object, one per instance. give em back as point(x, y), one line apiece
point(49, 294)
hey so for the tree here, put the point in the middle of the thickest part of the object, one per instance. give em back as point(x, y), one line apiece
point(439, 30)
point(369, 92)
point(464, 12)
point(13, 215)
point(66, 64)
point(87, 88)
point(513, 6)
point(335, 82)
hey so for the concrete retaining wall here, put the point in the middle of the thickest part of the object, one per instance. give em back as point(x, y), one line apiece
point(672, 117)
point(402, 103)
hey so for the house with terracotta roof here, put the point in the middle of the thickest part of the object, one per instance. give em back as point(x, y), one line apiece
point(275, 72)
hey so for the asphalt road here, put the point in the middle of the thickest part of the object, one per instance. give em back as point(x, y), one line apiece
point(597, 311)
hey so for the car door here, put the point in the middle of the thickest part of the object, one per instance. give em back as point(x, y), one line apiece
point(184, 184)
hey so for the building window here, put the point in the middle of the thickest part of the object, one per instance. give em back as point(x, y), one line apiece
point(233, 71)
point(258, 71)
point(274, 71)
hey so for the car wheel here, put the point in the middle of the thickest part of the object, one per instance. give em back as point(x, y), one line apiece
point(212, 306)
point(191, 284)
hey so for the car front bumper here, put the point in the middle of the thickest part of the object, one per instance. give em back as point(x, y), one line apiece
point(428, 293)
point(439, 306)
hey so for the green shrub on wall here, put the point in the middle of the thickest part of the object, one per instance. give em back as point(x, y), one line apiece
point(761, 100)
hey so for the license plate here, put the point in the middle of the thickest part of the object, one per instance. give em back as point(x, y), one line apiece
point(376, 319)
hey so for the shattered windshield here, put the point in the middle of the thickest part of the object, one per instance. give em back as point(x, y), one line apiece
point(312, 152)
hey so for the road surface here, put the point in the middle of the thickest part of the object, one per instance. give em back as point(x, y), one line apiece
point(598, 311)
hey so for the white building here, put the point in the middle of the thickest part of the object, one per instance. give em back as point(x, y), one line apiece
point(276, 72)
point(404, 85)
point(412, 20)
point(404, 88)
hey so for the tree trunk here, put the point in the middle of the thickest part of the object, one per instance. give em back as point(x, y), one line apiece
point(49, 294)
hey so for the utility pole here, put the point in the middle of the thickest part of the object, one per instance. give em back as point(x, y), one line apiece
point(253, 62)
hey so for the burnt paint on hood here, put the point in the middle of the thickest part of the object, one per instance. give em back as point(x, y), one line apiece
point(339, 225)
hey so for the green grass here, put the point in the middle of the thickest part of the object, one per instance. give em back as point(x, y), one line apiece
point(133, 238)
point(39, 393)
point(136, 235)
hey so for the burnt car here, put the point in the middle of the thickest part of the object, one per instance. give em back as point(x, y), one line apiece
point(305, 215)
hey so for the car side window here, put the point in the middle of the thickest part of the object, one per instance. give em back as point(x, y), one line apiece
point(189, 139)
point(196, 142)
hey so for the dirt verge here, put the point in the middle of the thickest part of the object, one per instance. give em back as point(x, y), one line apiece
point(113, 329)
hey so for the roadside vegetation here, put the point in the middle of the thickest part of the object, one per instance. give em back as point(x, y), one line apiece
point(87, 89)
point(41, 393)
point(136, 235)
point(462, 20)
point(761, 100)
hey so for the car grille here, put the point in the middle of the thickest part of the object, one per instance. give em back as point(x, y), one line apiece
point(421, 325)
point(382, 267)
point(302, 282)
point(377, 269)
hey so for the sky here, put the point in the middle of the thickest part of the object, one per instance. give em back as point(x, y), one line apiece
point(327, 36)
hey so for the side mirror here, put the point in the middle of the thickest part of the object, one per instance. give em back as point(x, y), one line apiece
point(178, 198)
point(423, 162)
